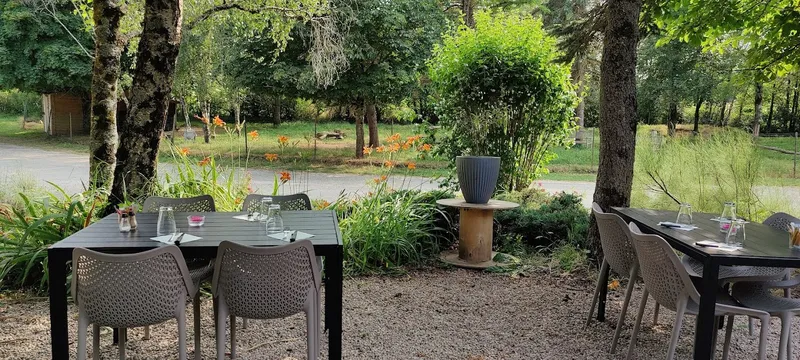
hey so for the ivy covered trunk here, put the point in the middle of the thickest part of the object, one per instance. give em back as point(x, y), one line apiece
point(140, 132)
point(617, 110)
point(105, 73)
point(371, 114)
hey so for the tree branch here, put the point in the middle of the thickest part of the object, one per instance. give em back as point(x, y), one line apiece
point(234, 6)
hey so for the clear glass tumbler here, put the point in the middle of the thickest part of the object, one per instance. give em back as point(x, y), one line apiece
point(728, 214)
point(263, 209)
point(736, 234)
point(166, 221)
point(684, 214)
point(274, 219)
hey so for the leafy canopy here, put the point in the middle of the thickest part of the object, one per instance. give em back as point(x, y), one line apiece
point(503, 94)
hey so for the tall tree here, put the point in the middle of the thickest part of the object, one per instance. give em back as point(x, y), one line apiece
point(759, 99)
point(106, 70)
point(140, 131)
point(617, 109)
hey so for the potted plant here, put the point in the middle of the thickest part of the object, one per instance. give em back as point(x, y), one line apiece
point(477, 177)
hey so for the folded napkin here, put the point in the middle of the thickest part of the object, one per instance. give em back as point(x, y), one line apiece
point(676, 226)
point(246, 218)
point(166, 239)
point(286, 235)
point(717, 245)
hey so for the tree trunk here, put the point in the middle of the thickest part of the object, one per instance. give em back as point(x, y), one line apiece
point(205, 108)
point(468, 6)
point(276, 112)
point(741, 108)
point(794, 109)
point(617, 110)
point(105, 74)
point(757, 108)
point(672, 121)
point(360, 135)
point(371, 116)
point(771, 108)
point(697, 107)
point(140, 132)
point(730, 110)
point(577, 72)
point(788, 93)
point(722, 112)
point(237, 119)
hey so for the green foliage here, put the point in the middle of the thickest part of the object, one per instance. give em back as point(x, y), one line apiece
point(36, 52)
point(704, 171)
point(543, 222)
point(27, 230)
point(18, 103)
point(390, 229)
point(502, 94)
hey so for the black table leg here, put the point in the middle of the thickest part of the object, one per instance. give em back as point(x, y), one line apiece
point(57, 271)
point(601, 303)
point(704, 336)
point(333, 304)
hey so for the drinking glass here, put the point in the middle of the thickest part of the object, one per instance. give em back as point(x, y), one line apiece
point(736, 233)
point(263, 209)
point(274, 219)
point(166, 221)
point(728, 214)
point(124, 223)
point(684, 214)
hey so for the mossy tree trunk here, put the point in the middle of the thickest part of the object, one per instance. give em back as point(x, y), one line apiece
point(371, 115)
point(617, 110)
point(105, 74)
point(140, 132)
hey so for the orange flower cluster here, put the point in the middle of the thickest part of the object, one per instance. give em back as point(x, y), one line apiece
point(218, 121)
point(393, 138)
point(205, 161)
point(367, 150)
point(411, 166)
point(203, 119)
point(381, 179)
point(283, 140)
point(425, 147)
point(395, 147)
point(323, 205)
point(285, 176)
point(184, 151)
point(380, 149)
point(271, 157)
point(253, 135)
point(388, 163)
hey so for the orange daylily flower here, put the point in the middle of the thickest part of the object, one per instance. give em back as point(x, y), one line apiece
point(203, 119)
point(388, 163)
point(184, 151)
point(411, 166)
point(380, 149)
point(407, 146)
point(393, 138)
point(426, 147)
point(285, 176)
point(283, 140)
point(395, 147)
point(253, 134)
point(271, 157)
point(237, 201)
point(218, 121)
point(381, 179)
point(324, 204)
point(205, 161)
point(367, 150)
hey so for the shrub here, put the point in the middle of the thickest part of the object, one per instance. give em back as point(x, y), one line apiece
point(389, 229)
point(16, 103)
point(560, 220)
point(502, 94)
point(305, 110)
point(401, 114)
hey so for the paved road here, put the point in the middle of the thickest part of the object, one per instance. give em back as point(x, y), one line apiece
point(71, 171)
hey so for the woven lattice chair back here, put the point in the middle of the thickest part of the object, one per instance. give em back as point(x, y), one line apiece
point(266, 282)
point(781, 221)
point(131, 290)
point(202, 203)
point(615, 240)
point(287, 202)
point(664, 276)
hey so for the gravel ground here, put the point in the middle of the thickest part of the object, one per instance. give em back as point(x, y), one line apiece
point(436, 314)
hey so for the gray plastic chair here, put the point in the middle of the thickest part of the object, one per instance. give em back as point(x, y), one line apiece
point(757, 295)
point(131, 290)
point(781, 221)
point(266, 283)
point(199, 269)
point(619, 254)
point(668, 281)
point(287, 202)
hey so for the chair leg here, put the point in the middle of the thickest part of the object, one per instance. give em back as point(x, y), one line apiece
point(146, 333)
point(655, 314)
point(182, 332)
point(727, 346)
point(789, 342)
point(312, 328)
point(621, 321)
point(233, 337)
point(196, 309)
point(786, 328)
point(750, 326)
point(95, 342)
point(596, 293)
point(762, 341)
point(123, 336)
point(244, 323)
point(638, 324)
point(83, 324)
point(222, 315)
point(676, 330)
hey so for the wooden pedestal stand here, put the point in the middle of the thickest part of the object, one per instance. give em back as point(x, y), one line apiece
point(474, 233)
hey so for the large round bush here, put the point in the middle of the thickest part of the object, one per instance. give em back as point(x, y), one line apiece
point(501, 93)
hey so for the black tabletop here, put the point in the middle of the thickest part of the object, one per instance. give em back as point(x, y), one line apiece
point(764, 245)
point(218, 227)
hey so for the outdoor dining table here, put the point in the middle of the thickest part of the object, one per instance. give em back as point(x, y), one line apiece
point(763, 246)
point(105, 236)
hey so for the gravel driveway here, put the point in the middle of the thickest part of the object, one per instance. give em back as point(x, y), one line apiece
point(435, 314)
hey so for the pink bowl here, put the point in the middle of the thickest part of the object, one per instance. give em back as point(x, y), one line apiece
point(196, 220)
